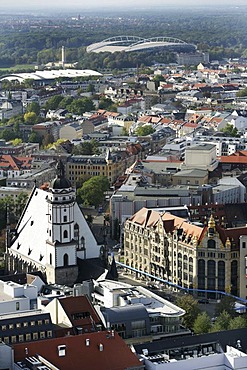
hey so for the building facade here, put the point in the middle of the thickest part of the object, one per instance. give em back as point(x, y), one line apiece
point(196, 257)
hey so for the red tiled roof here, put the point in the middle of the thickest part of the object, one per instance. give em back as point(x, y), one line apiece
point(79, 305)
point(15, 163)
point(238, 157)
point(115, 354)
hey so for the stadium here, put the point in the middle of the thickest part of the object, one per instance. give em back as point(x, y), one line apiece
point(135, 43)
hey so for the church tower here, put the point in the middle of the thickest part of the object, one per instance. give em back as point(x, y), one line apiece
point(61, 243)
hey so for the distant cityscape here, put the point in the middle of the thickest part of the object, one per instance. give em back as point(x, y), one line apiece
point(123, 175)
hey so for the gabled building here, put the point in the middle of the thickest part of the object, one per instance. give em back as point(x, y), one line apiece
point(205, 257)
point(52, 234)
point(74, 313)
point(11, 166)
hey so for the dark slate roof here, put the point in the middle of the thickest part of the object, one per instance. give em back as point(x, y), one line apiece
point(125, 313)
point(229, 337)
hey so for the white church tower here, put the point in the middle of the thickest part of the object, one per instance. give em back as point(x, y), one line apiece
point(52, 234)
point(62, 238)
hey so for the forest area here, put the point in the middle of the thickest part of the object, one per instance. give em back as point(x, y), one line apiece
point(38, 40)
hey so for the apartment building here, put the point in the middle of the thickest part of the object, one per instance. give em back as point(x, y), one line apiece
point(199, 257)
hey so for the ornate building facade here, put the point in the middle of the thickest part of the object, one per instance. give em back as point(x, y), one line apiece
point(52, 234)
point(205, 257)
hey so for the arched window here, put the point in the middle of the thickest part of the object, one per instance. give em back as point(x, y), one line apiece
point(221, 275)
point(65, 260)
point(201, 274)
point(65, 234)
point(211, 274)
point(50, 259)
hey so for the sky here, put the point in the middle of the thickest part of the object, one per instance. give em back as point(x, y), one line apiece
point(80, 4)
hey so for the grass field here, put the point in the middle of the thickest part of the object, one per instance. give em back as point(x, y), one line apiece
point(19, 67)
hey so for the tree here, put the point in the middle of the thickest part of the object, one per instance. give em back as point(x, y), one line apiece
point(242, 93)
point(30, 118)
point(92, 190)
point(144, 130)
point(16, 141)
point(34, 107)
point(230, 130)
point(34, 138)
point(86, 148)
point(238, 322)
point(53, 102)
point(105, 103)
point(48, 139)
point(202, 323)
point(226, 304)
point(8, 134)
point(191, 306)
point(222, 322)
point(80, 106)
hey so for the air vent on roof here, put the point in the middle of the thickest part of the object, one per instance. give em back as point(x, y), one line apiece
point(87, 342)
point(101, 347)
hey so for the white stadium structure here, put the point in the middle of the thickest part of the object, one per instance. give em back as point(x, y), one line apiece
point(50, 75)
point(135, 43)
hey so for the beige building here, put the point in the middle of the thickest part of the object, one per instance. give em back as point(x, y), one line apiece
point(201, 156)
point(81, 167)
point(196, 257)
point(192, 177)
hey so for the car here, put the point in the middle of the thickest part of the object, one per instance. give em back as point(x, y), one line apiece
point(203, 301)
point(117, 246)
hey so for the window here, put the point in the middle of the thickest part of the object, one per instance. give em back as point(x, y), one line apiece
point(211, 243)
point(49, 334)
point(39, 322)
point(47, 321)
point(32, 323)
point(42, 335)
point(18, 325)
point(4, 327)
point(13, 339)
point(28, 336)
point(17, 306)
point(25, 324)
point(6, 340)
point(65, 234)
point(65, 218)
point(21, 338)
point(50, 259)
point(244, 245)
point(65, 260)
point(35, 336)
point(11, 326)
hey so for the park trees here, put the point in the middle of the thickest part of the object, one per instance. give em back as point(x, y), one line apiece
point(202, 323)
point(191, 306)
point(144, 130)
point(92, 191)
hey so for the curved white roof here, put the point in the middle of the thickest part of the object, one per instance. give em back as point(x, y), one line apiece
point(51, 74)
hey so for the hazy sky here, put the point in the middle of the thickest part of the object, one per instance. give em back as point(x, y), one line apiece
point(70, 4)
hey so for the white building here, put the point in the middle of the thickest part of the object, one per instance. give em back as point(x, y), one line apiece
point(52, 233)
point(233, 359)
point(16, 297)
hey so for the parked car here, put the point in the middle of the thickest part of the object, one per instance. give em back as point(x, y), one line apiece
point(203, 301)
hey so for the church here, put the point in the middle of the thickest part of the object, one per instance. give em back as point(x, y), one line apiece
point(52, 235)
